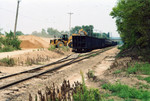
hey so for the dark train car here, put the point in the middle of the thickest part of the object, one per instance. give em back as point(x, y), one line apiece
point(87, 43)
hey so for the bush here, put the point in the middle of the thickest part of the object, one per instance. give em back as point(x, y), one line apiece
point(7, 49)
point(10, 43)
point(10, 40)
point(7, 61)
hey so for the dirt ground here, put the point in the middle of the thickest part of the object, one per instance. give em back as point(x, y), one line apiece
point(34, 51)
point(100, 63)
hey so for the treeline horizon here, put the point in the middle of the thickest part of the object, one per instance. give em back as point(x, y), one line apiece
point(52, 32)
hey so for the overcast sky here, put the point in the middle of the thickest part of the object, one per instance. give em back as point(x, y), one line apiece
point(37, 14)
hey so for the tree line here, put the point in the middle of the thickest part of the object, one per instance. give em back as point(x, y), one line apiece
point(133, 24)
point(51, 32)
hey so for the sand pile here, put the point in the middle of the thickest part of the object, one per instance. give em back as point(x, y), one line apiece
point(30, 41)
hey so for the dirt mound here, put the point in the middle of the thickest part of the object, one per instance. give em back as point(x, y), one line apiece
point(30, 41)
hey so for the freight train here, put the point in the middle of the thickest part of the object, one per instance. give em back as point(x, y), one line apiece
point(86, 43)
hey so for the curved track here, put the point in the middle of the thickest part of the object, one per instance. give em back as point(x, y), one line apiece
point(16, 78)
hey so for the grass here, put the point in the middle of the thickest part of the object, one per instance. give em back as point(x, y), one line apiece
point(7, 49)
point(90, 74)
point(52, 48)
point(124, 91)
point(139, 68)
point(147, 79)
point(65, 48)
point(85, 94)
point(7, 61)
point(142, 78)
point(117, 72)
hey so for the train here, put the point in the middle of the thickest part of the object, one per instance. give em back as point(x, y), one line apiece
point(84, 43)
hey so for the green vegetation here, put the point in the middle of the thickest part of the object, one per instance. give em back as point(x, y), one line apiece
point(90, 74)
point(85, 94)
point(65, 48)
point(52, 48)
point(132, 20)
point(9, 43)
point(89, 30)
point(18, 33)
point(147, 79)
point(0, 31)
point(140, 85)
point(124, 91)
point(50, 32)
point(142, 68)
point(117, 72)
point(88, 95)
point(7, 62)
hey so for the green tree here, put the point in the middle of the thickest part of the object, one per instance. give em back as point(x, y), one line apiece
point(75, 29)
point(10, 40)
point(87, 28)
point(133, 22)
point(18, 33)
point(53, 32)
point(43, 32)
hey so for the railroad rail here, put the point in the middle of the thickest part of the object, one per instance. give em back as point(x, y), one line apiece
point(10, 80)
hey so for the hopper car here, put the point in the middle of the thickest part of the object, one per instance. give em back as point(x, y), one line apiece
point(87, 43)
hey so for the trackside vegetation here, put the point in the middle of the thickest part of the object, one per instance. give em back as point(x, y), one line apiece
point(9, 43)
point(77, 92)
point(133, 25)
point(126, 92)
point(7, 62)
point(142, 68)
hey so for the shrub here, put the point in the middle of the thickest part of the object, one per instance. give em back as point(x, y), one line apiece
point(7, 49)
point(10, 43)
point(10, 40)
point(7, 61)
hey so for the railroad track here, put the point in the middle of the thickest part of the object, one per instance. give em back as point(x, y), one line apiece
point(10, 80)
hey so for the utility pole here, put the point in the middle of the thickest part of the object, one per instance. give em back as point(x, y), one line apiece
point(16, 17)
point(70, 23)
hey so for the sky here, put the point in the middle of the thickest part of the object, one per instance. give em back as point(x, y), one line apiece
point(37, 14)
